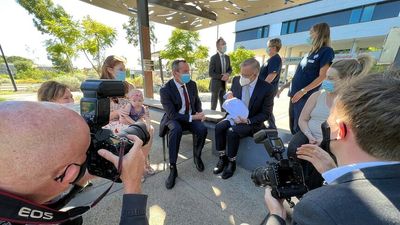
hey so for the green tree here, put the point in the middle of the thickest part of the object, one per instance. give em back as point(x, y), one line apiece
point(132, 31)
point(237, 57)
point(54, 21)
point(184, 44)
point(96, 37)
point(20, 63)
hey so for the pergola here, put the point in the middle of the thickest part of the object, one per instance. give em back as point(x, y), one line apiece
point(187, 15)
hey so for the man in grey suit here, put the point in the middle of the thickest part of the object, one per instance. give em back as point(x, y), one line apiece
point(364, 136)
point(219, 71)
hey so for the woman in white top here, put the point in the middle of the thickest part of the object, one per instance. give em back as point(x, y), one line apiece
point(317, 107)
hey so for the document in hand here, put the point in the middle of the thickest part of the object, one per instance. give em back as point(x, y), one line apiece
point(235, 107)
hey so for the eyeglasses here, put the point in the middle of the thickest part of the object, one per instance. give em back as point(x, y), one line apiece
point(82, 170)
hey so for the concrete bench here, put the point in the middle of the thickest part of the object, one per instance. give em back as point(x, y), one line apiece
point(252, 155)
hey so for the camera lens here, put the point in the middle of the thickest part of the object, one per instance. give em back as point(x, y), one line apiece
point(260, 177)
point(139, 129)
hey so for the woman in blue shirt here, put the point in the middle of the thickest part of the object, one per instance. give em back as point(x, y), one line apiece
point(310, 72)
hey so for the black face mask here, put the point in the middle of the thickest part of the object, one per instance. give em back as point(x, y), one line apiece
point(326, 137)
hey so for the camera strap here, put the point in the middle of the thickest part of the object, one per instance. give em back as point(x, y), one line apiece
point(18, 210)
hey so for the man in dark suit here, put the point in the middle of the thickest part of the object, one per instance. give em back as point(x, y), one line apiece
point(363, 135)
point(219, 71)
point(182, 106)
point(259, 98)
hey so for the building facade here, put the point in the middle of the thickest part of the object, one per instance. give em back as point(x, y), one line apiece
point(357, 26)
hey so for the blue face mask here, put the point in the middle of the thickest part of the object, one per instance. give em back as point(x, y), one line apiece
point(185, 78)
point(328, 85)
point(120, 75)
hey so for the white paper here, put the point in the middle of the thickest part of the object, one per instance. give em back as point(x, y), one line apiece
point(235, 108)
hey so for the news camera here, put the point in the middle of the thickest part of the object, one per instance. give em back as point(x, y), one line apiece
point(283, 175)
point(95, 109)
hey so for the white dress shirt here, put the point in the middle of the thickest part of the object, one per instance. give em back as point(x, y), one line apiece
point(252, 86)
point(182, 110)
point(223, 62)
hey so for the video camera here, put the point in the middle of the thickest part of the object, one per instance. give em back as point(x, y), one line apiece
point(285, 176)
point(95, 109)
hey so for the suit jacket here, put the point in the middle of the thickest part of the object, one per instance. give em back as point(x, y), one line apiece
point(261, 101)
point(367, 196)
point(215, 71)
point(172, 103)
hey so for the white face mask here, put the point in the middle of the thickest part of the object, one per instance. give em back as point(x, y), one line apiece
point(70, 105)
point(244, 80)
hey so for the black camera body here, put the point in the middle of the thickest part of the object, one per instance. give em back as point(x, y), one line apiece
point(95, 109)
point(285, 176)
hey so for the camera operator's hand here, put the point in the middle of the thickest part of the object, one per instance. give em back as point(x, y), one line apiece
point(320, 159)
point(274, 206)
point(132, 165)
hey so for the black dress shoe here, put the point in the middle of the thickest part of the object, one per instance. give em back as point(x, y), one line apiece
point(170, 182)
point(199, 163)
point(229, 170)
point(222, 162)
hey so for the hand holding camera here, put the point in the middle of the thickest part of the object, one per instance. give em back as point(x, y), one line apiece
point(132, 165)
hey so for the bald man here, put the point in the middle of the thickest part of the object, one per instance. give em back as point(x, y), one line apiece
point(42, 148)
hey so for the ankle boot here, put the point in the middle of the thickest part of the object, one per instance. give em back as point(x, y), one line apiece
point(197, 160)
point(170, 182)
point(222, 162)
point(229, 170)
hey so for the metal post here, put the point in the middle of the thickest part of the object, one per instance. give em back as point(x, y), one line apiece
point(161, 70)
point(8, 69)
point(144, 35)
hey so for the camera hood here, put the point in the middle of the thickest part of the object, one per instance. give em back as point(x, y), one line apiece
point(103, 88)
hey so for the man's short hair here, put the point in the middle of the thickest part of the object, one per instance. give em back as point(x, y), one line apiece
point(219, 40)
point(371, 106)
point(253, 62)
point(276, 42)
point(175, 64)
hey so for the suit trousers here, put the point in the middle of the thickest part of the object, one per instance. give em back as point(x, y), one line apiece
point(228, 136)
point(215, 95)
point(175, 134)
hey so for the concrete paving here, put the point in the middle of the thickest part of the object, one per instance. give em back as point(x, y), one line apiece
point(197, 198)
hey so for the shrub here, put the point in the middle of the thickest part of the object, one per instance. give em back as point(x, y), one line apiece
point(203, 85)
point(37, 74)
point(71, 81)
point(23, 65)
point(137, 81)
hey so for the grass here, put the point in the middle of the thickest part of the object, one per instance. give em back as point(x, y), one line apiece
point(2, 99)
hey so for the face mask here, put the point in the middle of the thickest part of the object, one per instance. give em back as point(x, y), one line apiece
point(70, 105)
point(244, 80)
point(185, 78)
point(268, 50)
point(326, 136)
point(120, 75)
point(223, 50)
point(328, 86)
point(309, 40)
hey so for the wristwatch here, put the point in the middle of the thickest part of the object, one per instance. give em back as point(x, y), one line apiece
point(304, 91)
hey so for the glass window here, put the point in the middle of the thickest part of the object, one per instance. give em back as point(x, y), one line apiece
point(266, 32)
point(292, 27)
point(367, 13)
point(249, 34)
point(333, 19)
point(355, 15)
point(284, 28)
point(386, 10)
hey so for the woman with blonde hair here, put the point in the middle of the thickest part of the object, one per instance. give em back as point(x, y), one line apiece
point(310, 72)
point(317, 109)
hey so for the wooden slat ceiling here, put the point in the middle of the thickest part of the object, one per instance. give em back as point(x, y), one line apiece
point(196, 15)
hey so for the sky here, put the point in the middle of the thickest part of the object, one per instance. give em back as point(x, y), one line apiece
point(19, 37)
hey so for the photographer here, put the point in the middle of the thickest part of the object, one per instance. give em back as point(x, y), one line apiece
point(42, 156)
point(362, 133)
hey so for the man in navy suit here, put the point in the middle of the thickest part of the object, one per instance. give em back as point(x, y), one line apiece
point(219, 71)
point(259, 98)
point(182, 105)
